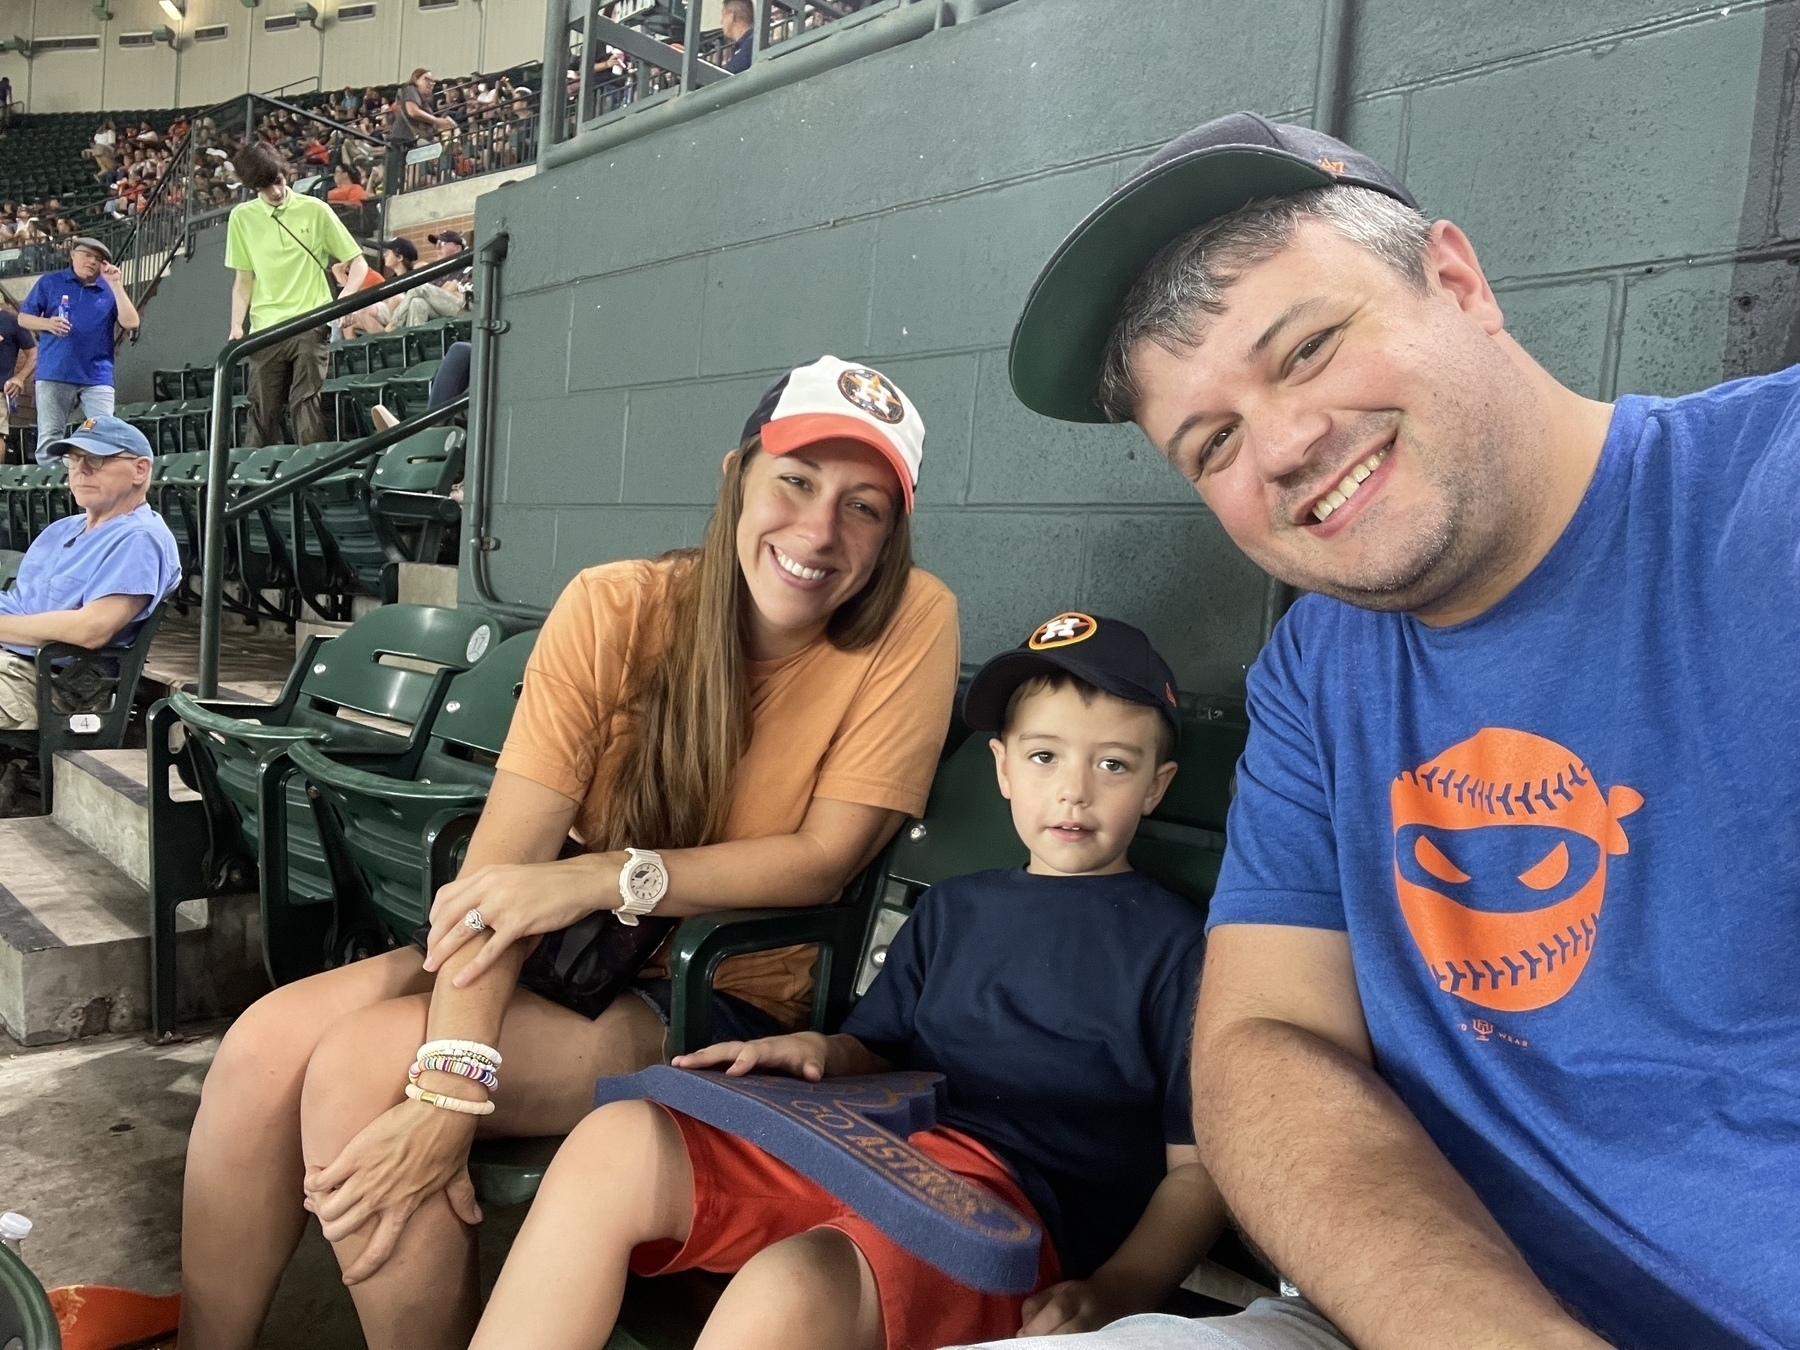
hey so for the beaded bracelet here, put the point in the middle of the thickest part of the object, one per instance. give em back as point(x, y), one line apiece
point(461, 1105)
point(462, 1068)
point(464, 1049)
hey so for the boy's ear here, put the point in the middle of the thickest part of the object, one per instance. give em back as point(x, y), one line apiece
point(998, 746)
point(1165, 774)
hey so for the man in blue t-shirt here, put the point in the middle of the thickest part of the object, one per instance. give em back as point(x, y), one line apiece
point(1497, 1041)
point(78, 311)
point(91, 578)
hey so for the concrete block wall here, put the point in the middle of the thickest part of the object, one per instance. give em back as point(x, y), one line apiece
point(1617, 165)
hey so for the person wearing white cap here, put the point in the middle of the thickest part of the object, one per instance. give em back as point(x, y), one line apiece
point(739, 725)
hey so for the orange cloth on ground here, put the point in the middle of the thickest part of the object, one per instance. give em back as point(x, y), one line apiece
point(862, 727)
point(745, 1200)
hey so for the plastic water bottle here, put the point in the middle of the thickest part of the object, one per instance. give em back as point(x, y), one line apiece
point(62, 310)
point(14, 1229)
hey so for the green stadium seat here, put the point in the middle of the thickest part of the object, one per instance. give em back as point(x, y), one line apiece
point(407, 393)
point(389, 837)
point(369, 695)
point(166, 385)
point(27, 1320)
point(62, 727)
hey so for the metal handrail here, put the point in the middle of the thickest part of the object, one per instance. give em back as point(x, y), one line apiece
point(218, 473)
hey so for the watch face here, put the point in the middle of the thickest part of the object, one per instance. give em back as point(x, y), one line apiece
point(645, 880)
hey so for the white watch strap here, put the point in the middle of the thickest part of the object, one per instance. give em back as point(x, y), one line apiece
point(632, 906)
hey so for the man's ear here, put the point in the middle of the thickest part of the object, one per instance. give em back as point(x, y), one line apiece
point(1165, 774)
point(1451, 265)
point(998, 746)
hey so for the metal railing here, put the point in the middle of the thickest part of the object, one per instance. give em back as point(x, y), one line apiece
point(220, 512)
point(474, 148)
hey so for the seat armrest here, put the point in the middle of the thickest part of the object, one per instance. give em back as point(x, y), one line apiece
point(446, 836)
point(704, 940)
point(403, 505)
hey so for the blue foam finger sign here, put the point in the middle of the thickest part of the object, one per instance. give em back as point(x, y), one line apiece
point(848, 1135)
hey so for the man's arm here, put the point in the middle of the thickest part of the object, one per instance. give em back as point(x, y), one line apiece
point(115, 280)
point(95, 624)
point(23, 365)
point(1329, 1172)
point(241, 287)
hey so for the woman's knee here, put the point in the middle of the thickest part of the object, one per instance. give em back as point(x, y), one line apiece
point(264, 1053)
point(358, 1068)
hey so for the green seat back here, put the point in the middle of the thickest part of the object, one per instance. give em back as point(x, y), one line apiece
point(353, 680)
point(383, 819)
point(428, 461)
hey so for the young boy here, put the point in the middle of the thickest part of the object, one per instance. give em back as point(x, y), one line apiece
point(1055, 1000)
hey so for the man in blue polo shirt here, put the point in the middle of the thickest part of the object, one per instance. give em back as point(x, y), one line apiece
point(89, 579)
point(77, 311)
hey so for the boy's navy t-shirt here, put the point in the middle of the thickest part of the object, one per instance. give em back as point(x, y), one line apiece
point(1058, 1011)
point(1564, 839)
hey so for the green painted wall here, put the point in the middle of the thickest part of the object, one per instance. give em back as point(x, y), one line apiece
point(1617, 164)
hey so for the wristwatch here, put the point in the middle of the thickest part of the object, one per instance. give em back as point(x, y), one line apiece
point(643, 881)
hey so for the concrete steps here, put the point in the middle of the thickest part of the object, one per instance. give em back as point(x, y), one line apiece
point(75, 914)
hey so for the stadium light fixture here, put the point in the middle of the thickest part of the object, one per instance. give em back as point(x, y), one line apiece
point(103, 11)
point(309, 14)
point(18, 44)
point(163, 33)
point(175, 9)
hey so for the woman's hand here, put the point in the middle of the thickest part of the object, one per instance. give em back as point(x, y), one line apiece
point(1072, 1306)
point(798, 1055)
point(398, 1161)
point(517, 900)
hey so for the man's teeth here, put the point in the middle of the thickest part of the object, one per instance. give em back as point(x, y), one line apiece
point(804, 573)
point(1345, 490)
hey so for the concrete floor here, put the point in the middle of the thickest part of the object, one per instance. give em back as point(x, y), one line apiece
point(96, 1132)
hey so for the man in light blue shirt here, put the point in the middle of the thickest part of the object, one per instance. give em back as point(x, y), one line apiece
point(89, 579)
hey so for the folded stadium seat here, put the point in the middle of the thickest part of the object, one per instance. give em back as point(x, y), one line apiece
point(197, 382)
point(15, 526)
point(26, 1318)
point(408, 392)
point(349, 396)
point(9, 567)
point(161, 425)
point(62, 666)
point(411, 486)
point(46, 491)
point(350, 358)
point(368, 696)
point(166, 385)
point(193, 426)
point(385, 837)
point(427, 341)
point(262, 542)
point(462, 330)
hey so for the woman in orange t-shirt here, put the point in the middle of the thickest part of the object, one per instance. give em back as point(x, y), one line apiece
point(741, 725)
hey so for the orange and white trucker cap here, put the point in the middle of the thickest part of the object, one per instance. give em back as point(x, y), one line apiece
point(830, 400)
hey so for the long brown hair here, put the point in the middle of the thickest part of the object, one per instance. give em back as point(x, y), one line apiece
point(688, 707)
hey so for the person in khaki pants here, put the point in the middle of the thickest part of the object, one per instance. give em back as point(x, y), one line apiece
point(282, 245)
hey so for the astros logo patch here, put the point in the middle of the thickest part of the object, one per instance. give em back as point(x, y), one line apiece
point(873, 392)
point(1500, 849)
point(1063, 631)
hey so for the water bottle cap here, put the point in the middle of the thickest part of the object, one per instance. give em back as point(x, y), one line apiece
point(14, 1227)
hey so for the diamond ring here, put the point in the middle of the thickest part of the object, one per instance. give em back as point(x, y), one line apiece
point(474, 922)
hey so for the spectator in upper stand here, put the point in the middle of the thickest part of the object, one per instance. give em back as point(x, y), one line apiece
point(349, 101)
point(347, 187)
point(78, 311)
point(5, 97)
point(412, 117)
point(18, 355)
point(315, 153)
point(281, 246)
point(739, 23)
point(92, 577)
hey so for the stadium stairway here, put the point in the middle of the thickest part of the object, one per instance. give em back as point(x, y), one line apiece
point(75, 914)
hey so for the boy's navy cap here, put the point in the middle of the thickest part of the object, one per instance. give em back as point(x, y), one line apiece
point(403, 247)
point(1110, 655)
point(1199, 176)
point(103, 436)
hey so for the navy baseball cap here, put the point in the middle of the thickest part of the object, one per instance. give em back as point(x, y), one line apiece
point(1199, 176)
point(1112, 656)
point(103, 436)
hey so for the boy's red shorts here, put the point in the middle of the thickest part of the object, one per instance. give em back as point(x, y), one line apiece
point(745, 1200)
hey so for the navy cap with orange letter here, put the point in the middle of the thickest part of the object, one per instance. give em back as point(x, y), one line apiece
point(1112, 656)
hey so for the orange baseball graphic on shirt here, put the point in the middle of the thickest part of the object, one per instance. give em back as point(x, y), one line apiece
point(1500, 849)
